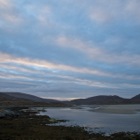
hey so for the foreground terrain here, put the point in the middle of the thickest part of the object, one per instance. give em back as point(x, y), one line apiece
point(23, 124)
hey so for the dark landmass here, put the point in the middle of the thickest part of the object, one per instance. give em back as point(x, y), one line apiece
point(22, 99)
point(136, 99)
point(29, 97)
point(106, 100)
point(19, 124)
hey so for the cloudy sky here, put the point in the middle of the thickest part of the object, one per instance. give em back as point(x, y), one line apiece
point(68, 49)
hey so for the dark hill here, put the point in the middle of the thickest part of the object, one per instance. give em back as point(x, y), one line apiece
point(103, 99)
point(136, 99)
point(4, 96)
point(29, 97)
point(16, 98)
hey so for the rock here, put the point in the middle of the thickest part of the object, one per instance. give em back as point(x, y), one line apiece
point(6, 113)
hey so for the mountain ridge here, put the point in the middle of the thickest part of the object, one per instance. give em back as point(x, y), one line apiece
point(17, 98)
point(107, 99)
point(100, 99)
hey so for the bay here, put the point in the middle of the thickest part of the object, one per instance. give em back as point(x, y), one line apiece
point(98, 118)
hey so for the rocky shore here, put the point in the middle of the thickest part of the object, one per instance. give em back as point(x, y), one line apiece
point(23, 124)
point(7, 113)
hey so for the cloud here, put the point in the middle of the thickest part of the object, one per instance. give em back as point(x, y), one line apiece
point(96, 53)
point(4, 4)
point(132, 8)
point(17, 14)
point(40, 64)
point(9, 15)
point(105, 12)
point(54, 67)
point(39, 13)
point(44, 72)
point(70, 48)
point(85, 47)
point(100, 16)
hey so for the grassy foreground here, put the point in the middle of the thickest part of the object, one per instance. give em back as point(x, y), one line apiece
point(28, 126)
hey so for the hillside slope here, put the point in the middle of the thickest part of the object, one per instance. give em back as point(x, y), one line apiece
point(136, 99)
point(16, 98)
point(104, 99)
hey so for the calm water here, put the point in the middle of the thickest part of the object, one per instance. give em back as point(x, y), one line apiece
point(108, 119)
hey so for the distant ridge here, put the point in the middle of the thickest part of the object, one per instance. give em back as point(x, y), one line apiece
point(17, 98)
point(136, 99)
point(29, 97)
point(106, 99)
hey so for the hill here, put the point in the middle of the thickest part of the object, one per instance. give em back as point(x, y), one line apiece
point(104, 99)
point(29, 97)
point(136, 99)
point(19, 99)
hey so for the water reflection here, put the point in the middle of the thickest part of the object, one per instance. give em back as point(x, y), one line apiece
point(106, 119)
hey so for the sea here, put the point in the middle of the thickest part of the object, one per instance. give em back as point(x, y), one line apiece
point(106, 119)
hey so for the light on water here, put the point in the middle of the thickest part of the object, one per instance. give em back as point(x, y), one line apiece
point(108, 119)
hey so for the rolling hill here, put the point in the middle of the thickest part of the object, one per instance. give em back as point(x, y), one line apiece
point(136, 99)
point(17, 98)
point(104, 99)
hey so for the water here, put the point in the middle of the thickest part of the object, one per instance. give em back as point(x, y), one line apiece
point(108, 119)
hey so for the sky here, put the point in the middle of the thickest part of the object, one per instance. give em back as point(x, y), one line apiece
point(67, 49)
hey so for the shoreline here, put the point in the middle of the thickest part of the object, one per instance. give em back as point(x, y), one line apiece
point(27, 123)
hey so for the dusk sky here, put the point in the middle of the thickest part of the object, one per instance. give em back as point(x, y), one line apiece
point(65, 49)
